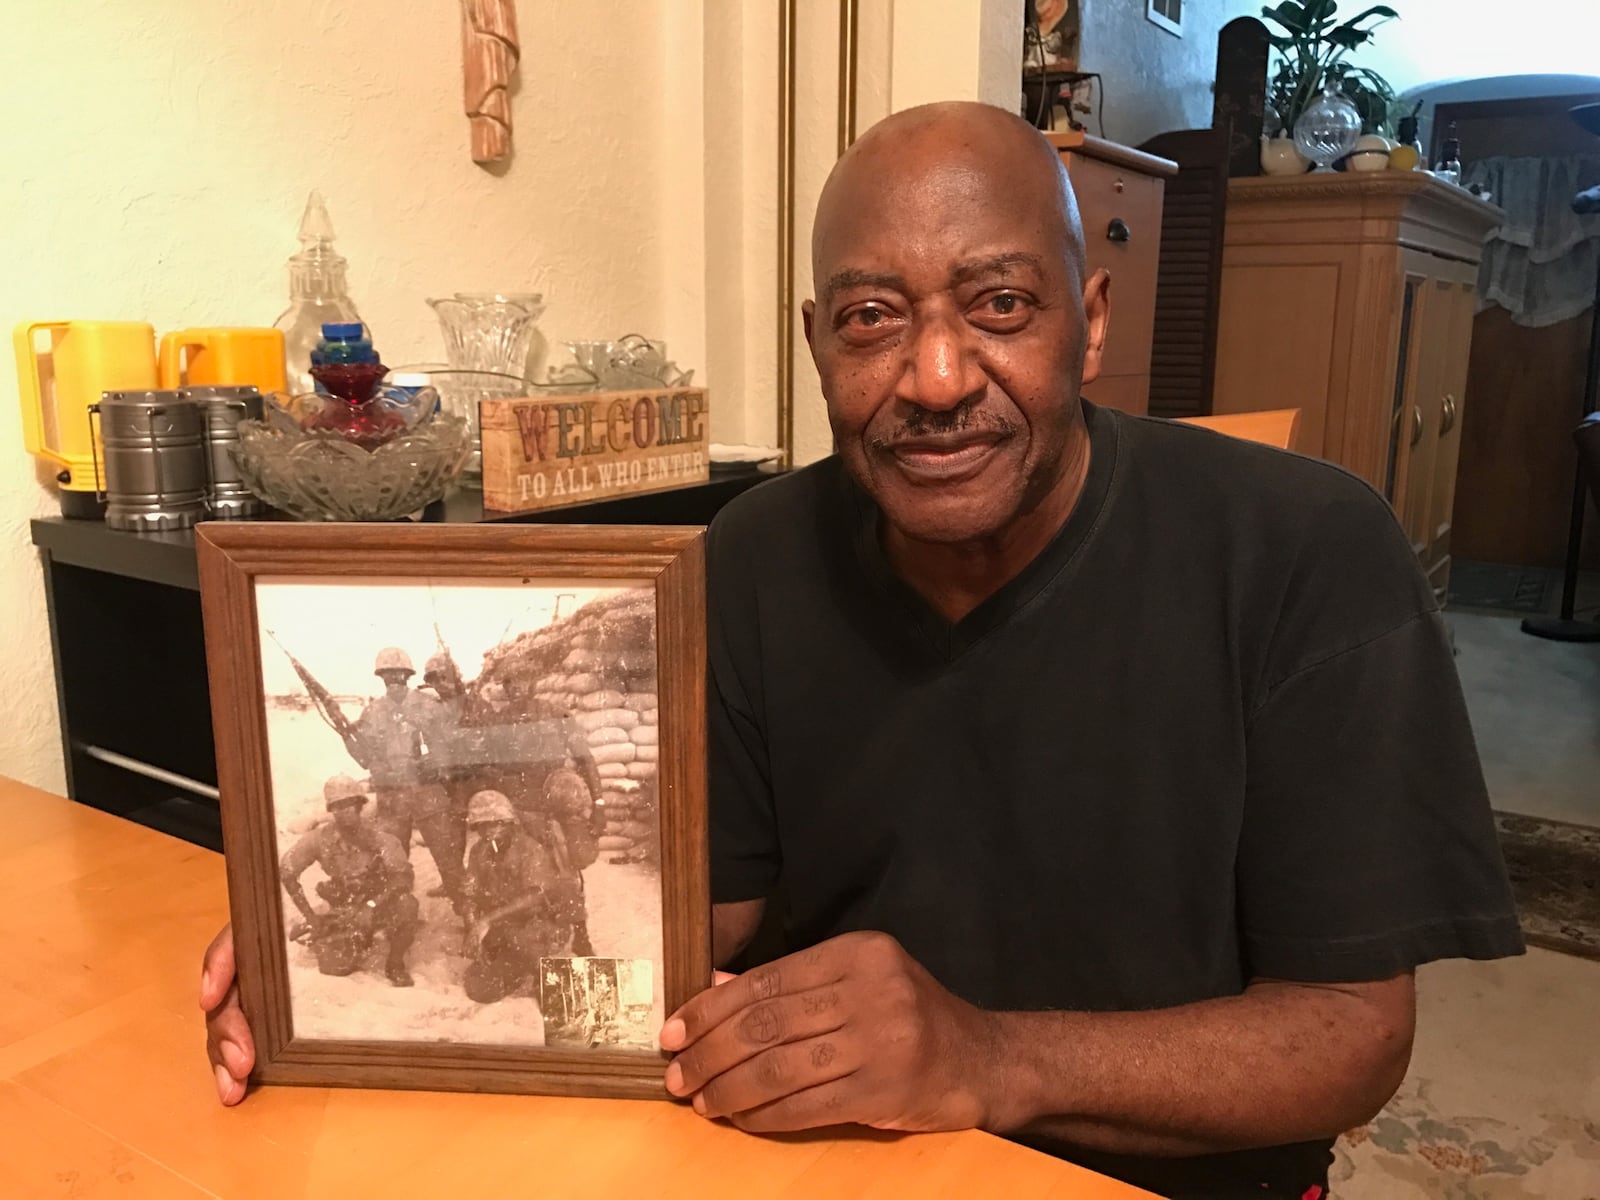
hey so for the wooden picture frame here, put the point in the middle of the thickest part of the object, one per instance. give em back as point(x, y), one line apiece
point(244, 564)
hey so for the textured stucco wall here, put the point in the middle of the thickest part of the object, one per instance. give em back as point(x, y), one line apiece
point(158, 156)
point(1153, 80)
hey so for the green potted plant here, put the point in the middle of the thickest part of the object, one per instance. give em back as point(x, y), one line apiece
point(1311, 50)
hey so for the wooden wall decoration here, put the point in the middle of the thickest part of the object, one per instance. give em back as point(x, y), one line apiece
point(489, 55)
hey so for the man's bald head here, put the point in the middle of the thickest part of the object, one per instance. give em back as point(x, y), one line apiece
point(935, 145)
point(953, 325)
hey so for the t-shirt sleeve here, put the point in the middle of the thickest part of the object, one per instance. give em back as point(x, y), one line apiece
point(1367, 846)
point(745, 858)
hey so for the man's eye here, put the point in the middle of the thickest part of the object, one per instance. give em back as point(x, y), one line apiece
point(867, 315)
point(1005, 304)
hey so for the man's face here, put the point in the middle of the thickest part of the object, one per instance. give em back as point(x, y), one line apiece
point(950, 335)
point(347, 816)
point(497, 833)
point(395, 683)
point(443, 686)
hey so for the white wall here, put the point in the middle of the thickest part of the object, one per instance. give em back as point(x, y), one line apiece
point(1157, 82)
point(1154, 81)
point(158, 157)
point(1437, 40)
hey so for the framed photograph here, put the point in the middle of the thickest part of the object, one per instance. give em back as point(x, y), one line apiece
point(463, 788)
point(1166, 13)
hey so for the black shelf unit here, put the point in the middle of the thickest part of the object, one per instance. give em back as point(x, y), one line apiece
point(129, 650)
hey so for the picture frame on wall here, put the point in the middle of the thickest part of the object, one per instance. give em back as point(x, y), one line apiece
point(463, 791)
point(1168, 14)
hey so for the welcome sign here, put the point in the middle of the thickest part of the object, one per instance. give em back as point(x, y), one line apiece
point(548, 451)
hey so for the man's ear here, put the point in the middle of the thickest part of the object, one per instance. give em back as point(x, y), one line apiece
point(1096, 319)
point(808, 313)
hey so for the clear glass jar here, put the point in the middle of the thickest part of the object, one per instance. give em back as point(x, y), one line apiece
point(1329, 127)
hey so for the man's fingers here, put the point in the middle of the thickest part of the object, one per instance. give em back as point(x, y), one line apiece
point(230, 1047)
point(749, 1032)
point(832, 1103)
point(774, 1074)
point(821, 964)
point(217, 969)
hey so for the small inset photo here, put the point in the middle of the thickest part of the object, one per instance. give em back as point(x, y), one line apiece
point(598, 1003)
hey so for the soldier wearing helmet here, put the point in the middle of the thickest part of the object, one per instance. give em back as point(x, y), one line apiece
point(368, 888)
point(394, 739)
point(540, 760)
point(520, 907)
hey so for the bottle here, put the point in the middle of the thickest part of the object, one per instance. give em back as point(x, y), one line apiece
point(1407, 154)
point(346, 366)
point(316, 294)
point(1448, 167)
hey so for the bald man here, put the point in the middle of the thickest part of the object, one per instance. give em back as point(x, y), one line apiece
point(1110, 777)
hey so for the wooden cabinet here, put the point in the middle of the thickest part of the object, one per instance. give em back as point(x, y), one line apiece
point(1351, 298)
point(1119, 193)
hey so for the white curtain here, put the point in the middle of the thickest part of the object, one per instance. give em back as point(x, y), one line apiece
point(1541, 264)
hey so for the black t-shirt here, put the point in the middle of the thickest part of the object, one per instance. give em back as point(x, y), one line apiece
point(1214, 731)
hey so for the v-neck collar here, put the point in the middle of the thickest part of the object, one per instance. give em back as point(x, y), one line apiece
point(946, 639)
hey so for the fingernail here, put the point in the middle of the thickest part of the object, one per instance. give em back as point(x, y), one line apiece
point(205, 986)
point(673, 1033)
point(674, 1077)
point(224, 1081)
point(699, 1103)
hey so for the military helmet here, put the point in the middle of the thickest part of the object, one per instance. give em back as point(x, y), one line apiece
point(440, 664)
point(489, 806)
point(567, 794)
point(342, 789)
point(392, 658)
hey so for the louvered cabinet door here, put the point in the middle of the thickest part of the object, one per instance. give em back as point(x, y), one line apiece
point(1189, 274)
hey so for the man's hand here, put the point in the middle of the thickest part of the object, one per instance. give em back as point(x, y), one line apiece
point(229, 1046)
point(850, 1030)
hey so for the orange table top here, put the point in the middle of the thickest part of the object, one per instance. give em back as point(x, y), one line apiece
point(105, 1089)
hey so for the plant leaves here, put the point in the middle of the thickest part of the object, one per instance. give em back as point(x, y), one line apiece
point(1288, 14)
point(1377, 10)
point(1348, 38)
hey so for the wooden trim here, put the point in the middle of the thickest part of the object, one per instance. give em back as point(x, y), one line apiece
point(671, 560)
point(1075, 141)
point(1345, 185)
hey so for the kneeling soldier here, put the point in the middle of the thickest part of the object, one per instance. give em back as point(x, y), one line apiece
point(368, 888)
point(519, 906)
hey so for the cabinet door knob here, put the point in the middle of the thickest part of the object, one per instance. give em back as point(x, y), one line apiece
point(1447, 421)
point(1118, 230)
point(1416, 424)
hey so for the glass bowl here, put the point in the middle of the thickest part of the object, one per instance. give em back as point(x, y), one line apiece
point(319, 476)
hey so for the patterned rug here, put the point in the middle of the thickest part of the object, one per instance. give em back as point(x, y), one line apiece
point(1412, 1151)
point(1555, 876)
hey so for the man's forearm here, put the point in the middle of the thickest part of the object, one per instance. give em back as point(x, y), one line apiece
point(1281, 1063)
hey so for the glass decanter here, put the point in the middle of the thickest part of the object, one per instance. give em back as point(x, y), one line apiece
point(1329, 128)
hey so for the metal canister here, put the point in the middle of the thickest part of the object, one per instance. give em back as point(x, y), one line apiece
point(155, 465)
point(221, 410)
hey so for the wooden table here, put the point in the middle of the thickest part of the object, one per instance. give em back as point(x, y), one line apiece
point(105, 1091)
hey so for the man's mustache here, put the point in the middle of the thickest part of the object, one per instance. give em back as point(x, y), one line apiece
point(923, 424)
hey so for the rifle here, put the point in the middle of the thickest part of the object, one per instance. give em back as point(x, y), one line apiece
point(327, 707)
